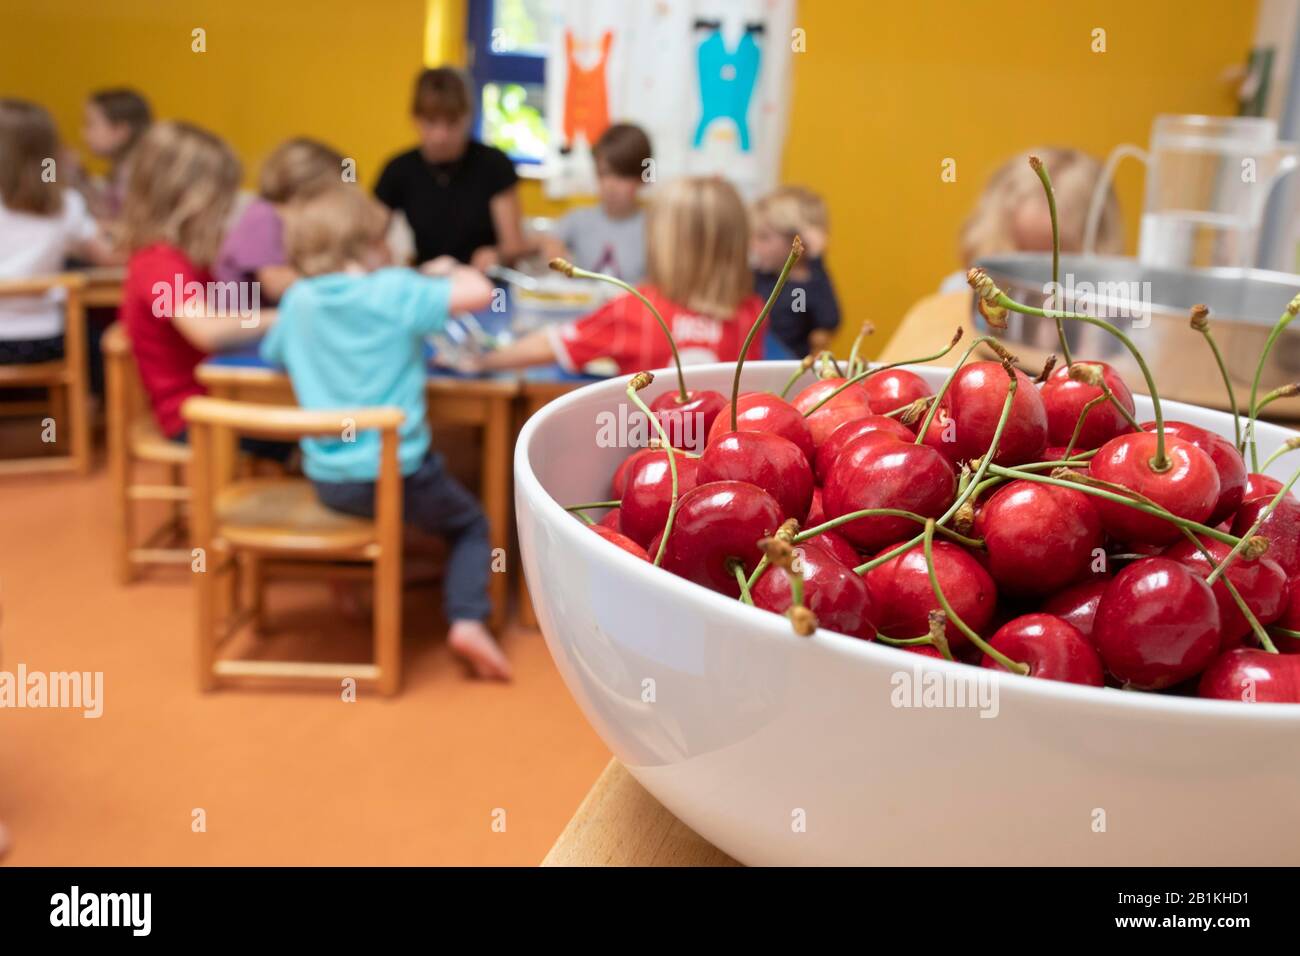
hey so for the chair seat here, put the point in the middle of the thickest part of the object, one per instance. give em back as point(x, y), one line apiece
point(150, 444)
point(35, 374)
point(285, 516)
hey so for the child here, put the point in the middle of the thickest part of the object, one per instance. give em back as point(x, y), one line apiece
point(41, 225)
point(697, 277)
point(112, 124)
point(352, 332)
point(806, 316)
point(254, 248)
point(181, 188)
point(610, 237)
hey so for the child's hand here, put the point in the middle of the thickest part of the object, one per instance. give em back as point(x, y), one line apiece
point(441, 266)
point(484, 257)
point(463, 363)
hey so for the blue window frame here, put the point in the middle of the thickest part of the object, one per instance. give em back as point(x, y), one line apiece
point(507, 53)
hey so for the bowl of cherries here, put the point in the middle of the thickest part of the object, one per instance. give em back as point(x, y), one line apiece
point(832, 612)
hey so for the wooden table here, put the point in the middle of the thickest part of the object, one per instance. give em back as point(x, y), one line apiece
point(620, 824)
point(483, 403)
point(103, 287)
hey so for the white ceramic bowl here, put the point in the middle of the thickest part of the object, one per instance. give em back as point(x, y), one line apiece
point(788, 750)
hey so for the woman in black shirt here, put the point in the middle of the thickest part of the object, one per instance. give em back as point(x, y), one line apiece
point(459, 195)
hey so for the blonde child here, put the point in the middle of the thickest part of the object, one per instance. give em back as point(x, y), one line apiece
point(352, 332)
point(697, 277)
point(805, 317)
point(253, 249)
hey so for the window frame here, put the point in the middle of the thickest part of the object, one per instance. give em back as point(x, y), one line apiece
point(488, 66)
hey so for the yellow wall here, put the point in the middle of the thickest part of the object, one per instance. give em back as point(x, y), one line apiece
point(883, 93)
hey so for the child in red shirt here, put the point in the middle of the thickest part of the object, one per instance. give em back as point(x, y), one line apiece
point(698, 278)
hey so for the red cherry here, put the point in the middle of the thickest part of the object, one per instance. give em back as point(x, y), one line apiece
point(648, 494)
point(974, 404)
point(688, 423)
point(716, 524)
point(1077, 604)
point(1261, 584)
point(1289, 619)
point(621, 540)
point(904, 599)
point(835, 594)
point(618, 484)
point(1064, 399)
point(764, 459)
point(1227, 462)
point(849, 404)
point(879, 471)
point(1188, 489)
point(1281, 528)
point(816, 514)
point(1263, 486)
point(1038, 537)
point(893, 388)
point(1249, 674)
point(612, 520)
point(1053, 649)
point(1157, 624)
point(765, 412)
point(925, 650)
point(837, 546)
point(829, 450)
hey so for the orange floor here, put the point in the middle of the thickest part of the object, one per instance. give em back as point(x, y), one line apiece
point(283, 777)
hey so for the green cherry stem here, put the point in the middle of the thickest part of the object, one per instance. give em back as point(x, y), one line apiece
point(1200, 321)
point(1078, 425)
point(1292, 308)
point(804, 366)
point(1249, 536)
point(1291, 444)
point(834, 523)
point(1237, 599)
point(848, 383)
point(1040, 168)
point(738, 570)
point(593, 505)
point(639, 381)
point(796, 250)
point(943, 389)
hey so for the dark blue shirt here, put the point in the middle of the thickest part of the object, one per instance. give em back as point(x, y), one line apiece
point(804, 305)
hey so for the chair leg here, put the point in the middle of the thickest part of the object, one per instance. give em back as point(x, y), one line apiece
point(206, 587)
point(252, 586)
point(59, 395)
point(388, 621)
point(124, 519)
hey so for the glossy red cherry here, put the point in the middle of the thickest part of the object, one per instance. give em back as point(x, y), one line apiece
point(816, 514)
point(1254, 676)
point(1260, 582)
point(838, 547)
point(1289, 619)
point(618, 484)
point(1227, 462)
point(1053, 649)
point(765, 412)
point(621, 540)
point(1281, 528)
point(893, 388)
point(879, 471)
point(1064, 399)
point(612, 520)
point(688, 423)
point(716, 524)
point(648, 494)
point(1077, 604)
point(1263, 486)
point(904, 599)
point(838, 597)
point(925, 650)
point(829, 450)
point(1038, 537)
point(1157, 624)
point(849, 404)
point(762, 458)
point(1189, 488)
point(974, 403)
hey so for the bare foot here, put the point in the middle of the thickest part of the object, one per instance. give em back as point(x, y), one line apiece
point(476, 646)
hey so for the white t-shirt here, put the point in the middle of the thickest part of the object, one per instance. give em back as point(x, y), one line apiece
point(32, 246)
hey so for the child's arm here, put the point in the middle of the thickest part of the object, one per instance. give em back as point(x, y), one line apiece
point(216, 332)
point(470, 290)
point(535, 348)
point(275, 280)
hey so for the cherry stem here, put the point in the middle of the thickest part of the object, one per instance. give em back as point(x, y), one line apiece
point(593, 505)
point(826, 358)
point(943, 389)
point(1078, 425)
point(834, 523)
point(804, 366)
point(866, 330)
point(641, 380)
point(889, 555)
point(583, 515)
point(796, 250)
point(873, 371)
point(738, 569)
point(1160, 461)
point(1253, 530)
point(1282, 391)
point(903, 408)
point(936, 641)
point(986, 460)
point(573, 272)
point(1204, 328)
point(1286, 447)
point(1290, 313)
point(1242, 606)
point(927, 540)
point(1041, 169)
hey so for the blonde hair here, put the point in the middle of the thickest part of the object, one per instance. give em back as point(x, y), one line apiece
point(795, 211)
point(298, 167)
point(989, 228)
point(331, 228)
point(180, 191)
point(697, 239)
point(27, 140)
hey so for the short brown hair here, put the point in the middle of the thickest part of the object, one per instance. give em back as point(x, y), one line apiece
point(325, 231)
point(624, 149)
point(180, 190)
point(123, 107)
point(298, 167)
point(441, 94)
point(697, 240)
point(27, 139)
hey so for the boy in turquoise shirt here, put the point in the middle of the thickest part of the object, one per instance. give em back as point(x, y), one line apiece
point(351, 333)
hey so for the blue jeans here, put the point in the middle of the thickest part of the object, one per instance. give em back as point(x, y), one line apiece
point(434, 502)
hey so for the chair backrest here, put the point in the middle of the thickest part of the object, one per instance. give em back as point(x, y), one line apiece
point(73, 285)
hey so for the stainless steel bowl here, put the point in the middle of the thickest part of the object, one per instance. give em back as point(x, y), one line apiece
point(1152, 306)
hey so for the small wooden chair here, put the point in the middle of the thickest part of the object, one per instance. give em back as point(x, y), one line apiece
point(134, 439)
point(241, 522)
point(65, 379)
